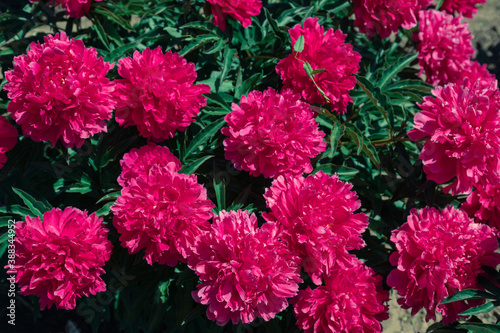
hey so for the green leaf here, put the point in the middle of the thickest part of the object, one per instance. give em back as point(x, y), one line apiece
point(228, 56)
point(203, 136)
point(198, 42)
point(193, 166)
point(118, 19)
point(343, 172)
point(248, 85)
point(274, 25)
point(398, 67)
point(97, 26)
point(217, 99)
point(337, 132)
point(378, 99)
point(318, 70)
point(487, 307)
point(198, 311)
point(38, 207)
point(219, 45)
point(363, 144)
point(299, 44)
point(17, 210)
point(110, 196)
point(439, 4)
point(308, 69)
point(480, 328)
point(104, 210)
point(468, 294)
point(220, 193)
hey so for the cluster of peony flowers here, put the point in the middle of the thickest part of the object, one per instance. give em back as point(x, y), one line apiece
point(241, 11)
point(350, 301)
point(317, 218)
point(439, 254)
point(466, 8)
point(327, 52)
point(272, 134)
point(159, 210)
point(59, 90)
point(445, 50)
point(8, 139)
point(383, 17)
point(157, 93)
point(74, 8)
point(247, 272)
point(461, 125)
point(62, 258)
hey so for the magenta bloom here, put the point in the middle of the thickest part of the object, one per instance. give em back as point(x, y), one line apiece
point(465, 7)
point(350, 301)
point(238, 9)
point(439, 254)
point(157, 93)
point(383, 17)
point(8, 139)
point(318, 220)
point(59, 90)
point(246, 271)
point(62, 258)
point(162, 214)
point(444, 47)
point(462, 126)
point(272, 134)
point(74, 8)
point(483, 205)
point(137, 163)
point(322, 51)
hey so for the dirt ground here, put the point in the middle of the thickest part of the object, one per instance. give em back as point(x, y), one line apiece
point(485, 27)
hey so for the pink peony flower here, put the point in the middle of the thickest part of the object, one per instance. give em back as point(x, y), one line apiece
point(483, 205)
point(59, 90)
point(138, 163)
point(74, 8)
point(162, 214)
point(157, 93)
point(318, 220)
point(444, 47)
point(238, 9)
point(439, 254)
point(465, 7)
point(350, 301)
point(62, 258)
point(383, 17)
point(322, 51)
point(462, 126)
point(8, 139)
point(247, 272)
point(272, 134)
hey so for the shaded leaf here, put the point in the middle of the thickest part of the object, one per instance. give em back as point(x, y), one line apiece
point(38, 207)
point(468, 294)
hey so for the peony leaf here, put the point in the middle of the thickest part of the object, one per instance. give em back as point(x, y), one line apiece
point(38, 207)
point(318, 70)
point(203, 136)
point(220, 192)
point(248, 85)
point(363, 144)
point(104, 210)
point(337, 132)
point(402, 63)
point(299, 44)
point(193, 166)
point(378, 99)
point(480, 328)
point(468, 294)
point(198, 42)
point(344, 172)
point(228, 57)
point(17, 210)
point(274, 25)
point(487, 307)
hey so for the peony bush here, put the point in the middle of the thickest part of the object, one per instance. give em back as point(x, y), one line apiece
point(247, 166)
